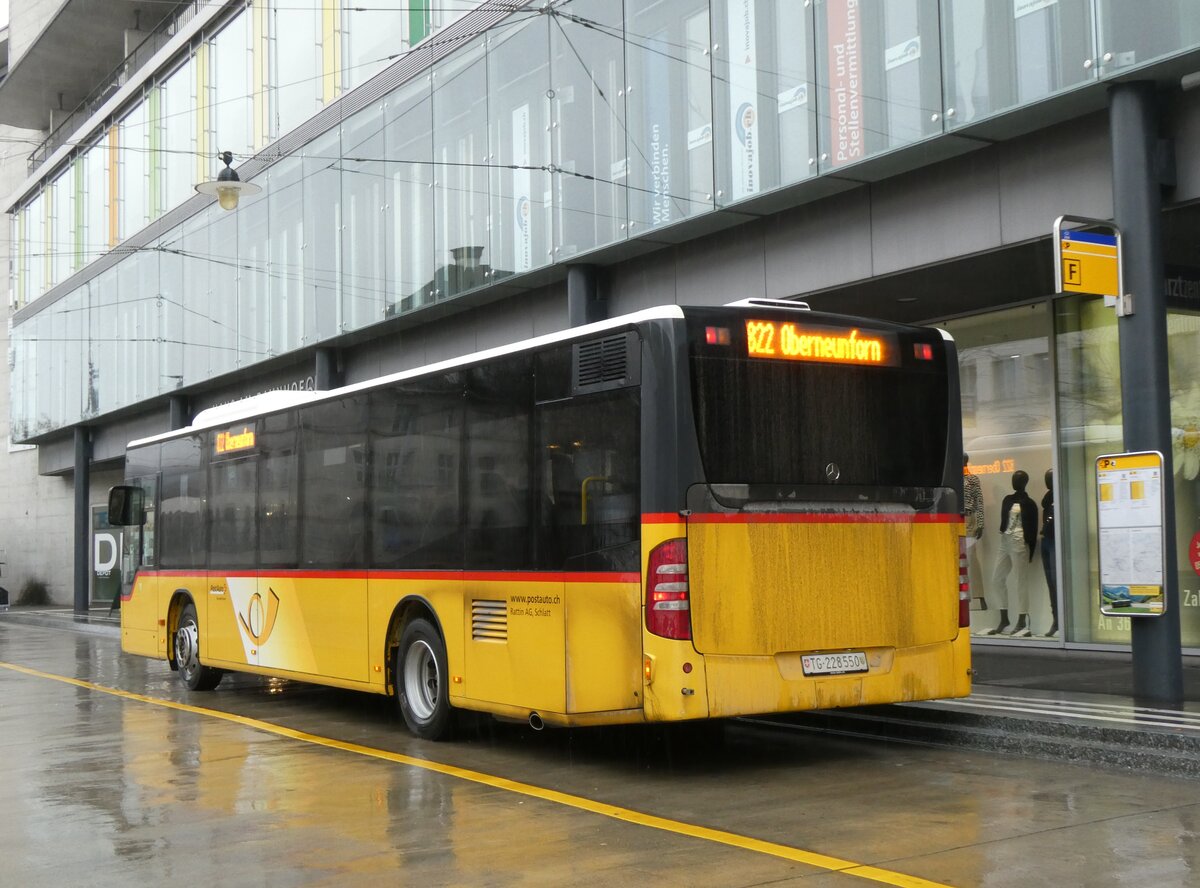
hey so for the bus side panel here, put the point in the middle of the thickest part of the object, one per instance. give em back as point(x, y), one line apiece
point(604, 646)
point(316, 625)
point(442, 593)
point(139, 617)
point(220, 639)
point(515, 644)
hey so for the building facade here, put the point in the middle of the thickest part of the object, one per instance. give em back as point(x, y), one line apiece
point(446, 177)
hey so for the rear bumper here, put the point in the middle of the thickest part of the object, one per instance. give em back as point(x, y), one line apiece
point(759, 685)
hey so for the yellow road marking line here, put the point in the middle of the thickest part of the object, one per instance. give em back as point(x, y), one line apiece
point(627, 815)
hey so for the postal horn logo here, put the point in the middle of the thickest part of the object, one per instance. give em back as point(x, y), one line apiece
point(258, 621)
point(745, 120)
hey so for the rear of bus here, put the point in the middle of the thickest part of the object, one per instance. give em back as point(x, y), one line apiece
point(813, 557)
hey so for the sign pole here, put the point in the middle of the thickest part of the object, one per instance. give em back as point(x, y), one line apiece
point(1145, 383)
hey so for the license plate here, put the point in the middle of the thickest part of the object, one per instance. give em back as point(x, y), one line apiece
point(834, 664)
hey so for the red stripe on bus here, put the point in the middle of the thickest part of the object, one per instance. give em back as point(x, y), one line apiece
point(823, 518)
point(662, 518)
point(451, 575)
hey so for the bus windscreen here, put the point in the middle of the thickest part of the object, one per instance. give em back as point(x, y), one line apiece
point(786, 422)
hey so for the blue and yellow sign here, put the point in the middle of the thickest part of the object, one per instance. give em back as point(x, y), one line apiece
point(1089, 262)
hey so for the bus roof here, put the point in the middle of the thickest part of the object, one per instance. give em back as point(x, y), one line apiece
point(268, 402)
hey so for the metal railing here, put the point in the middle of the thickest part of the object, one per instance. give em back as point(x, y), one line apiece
point(167, 27)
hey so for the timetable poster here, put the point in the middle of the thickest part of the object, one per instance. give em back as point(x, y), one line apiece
point(1129, 499)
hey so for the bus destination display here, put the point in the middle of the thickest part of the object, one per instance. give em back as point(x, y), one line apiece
point(789, 341)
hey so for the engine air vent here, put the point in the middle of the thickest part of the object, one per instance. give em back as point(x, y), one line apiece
point(608, 363)
point(489, 620)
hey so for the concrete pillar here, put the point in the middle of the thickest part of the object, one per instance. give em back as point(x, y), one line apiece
point(1145, 385)
point(179, 417)
point(585, 305)
point(325, 371)
point(83, 517)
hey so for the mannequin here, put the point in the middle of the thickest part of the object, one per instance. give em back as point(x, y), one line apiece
point(973, 528)
point(1048, 564)
point(1018, 537)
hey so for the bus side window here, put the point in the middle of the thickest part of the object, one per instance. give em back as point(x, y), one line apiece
point(415, 445)
point(589, 502)
point(499, 410)
point(333, 489)
point(181, 514)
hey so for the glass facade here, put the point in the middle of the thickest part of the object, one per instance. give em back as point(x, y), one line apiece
point(1041, 395)
point(542, 138)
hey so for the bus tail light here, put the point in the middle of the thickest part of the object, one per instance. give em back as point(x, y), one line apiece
point(668, 609)
point(964, 585)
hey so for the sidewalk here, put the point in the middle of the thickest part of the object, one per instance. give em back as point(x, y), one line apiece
point(1067, 705)
point(98, 621)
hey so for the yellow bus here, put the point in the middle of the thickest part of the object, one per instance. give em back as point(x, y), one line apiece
point(683, 513)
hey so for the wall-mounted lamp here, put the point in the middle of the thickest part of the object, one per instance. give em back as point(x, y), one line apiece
point(228, 187)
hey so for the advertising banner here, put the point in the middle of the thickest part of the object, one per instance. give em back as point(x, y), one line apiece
point(844, 40)
point(743, 98)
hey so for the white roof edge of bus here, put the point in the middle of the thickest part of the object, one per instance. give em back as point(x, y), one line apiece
point(264, 402)
point(762, 302)
point(225, 414)
point(946, 334)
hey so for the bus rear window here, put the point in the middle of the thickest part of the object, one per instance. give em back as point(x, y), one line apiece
point(785, 423)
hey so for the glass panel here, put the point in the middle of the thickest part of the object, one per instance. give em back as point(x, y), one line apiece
point(287, 324)
point(38, 248)
point(96, 236)
point(587, 65)
point(295, 62)
point(1183, 351)
point(277, 475)
point(178, 123)
point(763, 76)
point(133, 143)
point(22, 405)
point(176, 331)
point(1008, 440)
point(499, 483)
point(519, 81)
point(365, 218)
point(880, 61)
point(587, 453)
point(105, 335)
point(1089, 411)
point(231, 515)
point(1134, 32)
point(231, 96)
point(183, 491)
point(408, 147)
point(999, 55)
point(461, 161)
point(20, 253)
point(369, 31)
point(62, 226)
point(333, 490)
point(416, 443)
point(669, 95)
point(321, 253)
point(254, 277)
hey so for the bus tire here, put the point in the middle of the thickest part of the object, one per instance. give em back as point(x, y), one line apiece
point(195, 675)
point(422, 681)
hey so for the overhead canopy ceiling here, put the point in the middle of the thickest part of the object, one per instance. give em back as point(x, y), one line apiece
point(78, 49)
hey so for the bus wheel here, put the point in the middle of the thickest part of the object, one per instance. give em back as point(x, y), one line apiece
point(187, 653)
point(421, 681)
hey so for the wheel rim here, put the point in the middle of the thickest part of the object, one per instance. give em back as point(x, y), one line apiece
point(187, 648)
point(421, 680)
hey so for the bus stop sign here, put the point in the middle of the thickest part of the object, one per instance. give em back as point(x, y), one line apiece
point(1088, 261)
